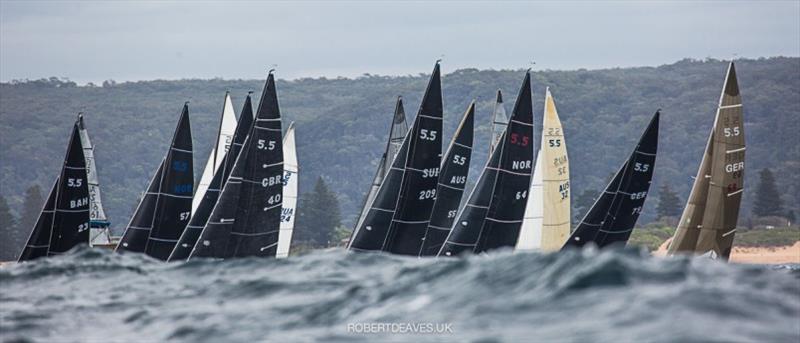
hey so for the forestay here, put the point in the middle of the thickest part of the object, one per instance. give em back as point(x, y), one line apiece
point(493, 214)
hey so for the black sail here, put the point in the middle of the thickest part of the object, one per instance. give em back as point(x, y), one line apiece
point(493, 214)
point(612, 217)
point(64, 220)
point(452, 180)
point(397, 133)
point(165, 209)
point(398, 217)
point(198, 221)
point(246, 219)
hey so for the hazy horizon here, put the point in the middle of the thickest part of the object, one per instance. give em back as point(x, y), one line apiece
point(135, 41)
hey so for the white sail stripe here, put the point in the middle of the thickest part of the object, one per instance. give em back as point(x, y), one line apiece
point(430, 117)
point(409, 222)
point(177, 196)
point(38, 246)
point(644, 153)
point(234, 181)
point(266, 128)
point(451, 187)
point(71, 211)
point(180, 150)
point(234, 178)
point(557, 224)
point(162, 239)
point(550, 180)
point(381, 209)
point(623, 231)
point(438, 227)
point(219, 223)
point(461, 244)
point(268, 119)
point(730, 106)
point(244, 234)
point(393, 168)
point(140, 228)
point(271, 207)
point(73, 168)
point(735, 150)
point(357, 249)
point(591, 224)
point(737, 192)
point(462, 145)
point(478, 206)
point(728, 233)
point(521, 123)
point(48, 211)
point(508, 171)
point(271, 165)
point(503, 221)
point(258, 182)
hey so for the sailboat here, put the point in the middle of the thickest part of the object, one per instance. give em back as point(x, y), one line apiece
point(64, 220)
point(227, 126)
point(708, 222)
point(547, 216)
point(398, 216)
point(493, 214)
point(612, 217)
point(499, 121)
point(99, 233)
point(452, 181)
point(290, 180)
point(397, 133)
point(246, 219)
point(165, 209)
point(200, 217)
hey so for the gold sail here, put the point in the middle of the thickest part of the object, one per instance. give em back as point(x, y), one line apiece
point(709, 221)
point(555, 181)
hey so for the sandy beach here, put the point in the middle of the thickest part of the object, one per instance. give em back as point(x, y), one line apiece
point(755, 255)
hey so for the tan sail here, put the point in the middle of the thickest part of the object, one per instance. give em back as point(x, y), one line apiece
point(721, 176)
point(546, 224)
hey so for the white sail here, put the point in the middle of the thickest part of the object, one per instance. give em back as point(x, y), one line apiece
point(547, 215)
point(98, 235)
point(227, 126)
point(290, 170)
point(499, 121)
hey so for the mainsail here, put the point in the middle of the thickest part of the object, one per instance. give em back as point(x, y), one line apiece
point(397, 132)
point(612, 217)
point(246, 219)
point(64, 220)
point(99, 232)
point(165, 209)
point(200, 217)
point(547, 215)
point(499, 121)
point(227, 126)
point(290, 170)
point(493, 214)
point(708, 222)
point(399, 214)
point(452, 181)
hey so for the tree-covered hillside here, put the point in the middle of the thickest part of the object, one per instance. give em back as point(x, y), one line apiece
point(342, 124)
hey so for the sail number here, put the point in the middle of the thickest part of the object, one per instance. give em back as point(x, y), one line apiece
point(180, 166)
point(636, 210)
point(262, 144)
point(638, 195)
point(78, 202)
point(452, 213)
point(430, 172)
point(522, 195)
point(274, 199)
point(428, 135)
point(521, 140)
point(74, 182)
point(734, 167)
point(554, 143)
point(553, 131)
point(459, 160)
point(427, 194)
point(732, 132)
point(272, 180)
point(184, 188)
point(184, 215)
point(517, 165)
point(458, 180)
point(564, 190)
point(641, 167)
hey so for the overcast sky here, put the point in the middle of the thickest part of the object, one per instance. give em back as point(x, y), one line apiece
point(95, 41)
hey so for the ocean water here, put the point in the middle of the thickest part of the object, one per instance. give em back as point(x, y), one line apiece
point(622, 295)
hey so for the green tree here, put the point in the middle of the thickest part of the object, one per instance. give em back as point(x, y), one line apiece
point(318, 216)
point(669, 205)
point(31, 207)
point(583, 203)
point(768, 200)
point(10, 241)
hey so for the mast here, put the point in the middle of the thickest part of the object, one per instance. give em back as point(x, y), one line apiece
point(452, 181)
point(547, 216)
point(227, 126)
point(290, 181)
point(397, 133)
point(612, 217)
point(99, 232)
point(64, 220)
point(246, 219)
point(708, 223)
point(499, 121)
point(399, 214)
point(164, 211)
point(200, 217)
point(493, 214)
